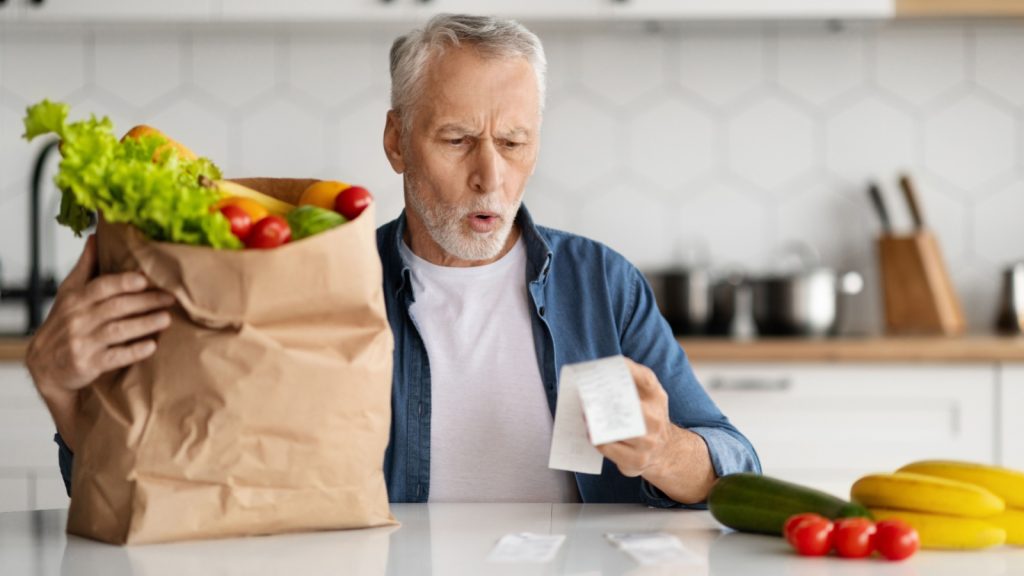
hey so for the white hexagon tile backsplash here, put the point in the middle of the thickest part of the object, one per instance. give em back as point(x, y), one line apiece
point(737, 137)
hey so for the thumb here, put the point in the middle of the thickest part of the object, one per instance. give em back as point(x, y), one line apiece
point(85, 268)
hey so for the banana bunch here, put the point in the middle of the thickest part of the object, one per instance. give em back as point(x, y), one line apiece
point(953, 505)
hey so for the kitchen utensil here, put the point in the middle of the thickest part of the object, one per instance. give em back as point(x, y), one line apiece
point(910, 194)
point(883, 213)
point(802, 303)
point(731, 308)
point(683, 291)
point(1010, 319)
point(918, 292)
point(684, 297)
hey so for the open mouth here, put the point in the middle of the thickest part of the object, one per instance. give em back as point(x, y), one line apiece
point(483, 221)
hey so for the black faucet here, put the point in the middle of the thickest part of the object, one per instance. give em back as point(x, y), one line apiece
point(39, 288)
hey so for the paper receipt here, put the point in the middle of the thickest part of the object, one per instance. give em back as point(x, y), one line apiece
point(527, 548)
point(598, 398)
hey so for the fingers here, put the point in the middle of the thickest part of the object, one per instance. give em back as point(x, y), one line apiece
point(130, 329)
point(629, 461)
point(84, 269)
point(121, 356)
point(111, 285)
point(128, 305)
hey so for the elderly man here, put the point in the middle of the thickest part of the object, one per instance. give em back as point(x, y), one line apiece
point(485, 305)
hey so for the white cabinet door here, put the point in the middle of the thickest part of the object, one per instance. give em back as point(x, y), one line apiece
point(315, 10)
point(825, 425)
point(1011, 407)
point(752, 9)
point(117, 10)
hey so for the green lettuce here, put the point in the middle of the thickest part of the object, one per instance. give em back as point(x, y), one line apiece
point(164, 197)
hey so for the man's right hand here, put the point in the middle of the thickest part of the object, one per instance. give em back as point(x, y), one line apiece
point(96, 324)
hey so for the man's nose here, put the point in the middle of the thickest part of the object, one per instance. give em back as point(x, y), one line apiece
point(487, 172)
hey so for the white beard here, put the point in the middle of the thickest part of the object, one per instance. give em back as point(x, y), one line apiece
point(447, 226)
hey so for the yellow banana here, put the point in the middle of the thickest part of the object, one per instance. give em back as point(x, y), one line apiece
point(1012, 520)
point(1003, 482)
point(941, 532)
point(273, 205)
point(928, 494)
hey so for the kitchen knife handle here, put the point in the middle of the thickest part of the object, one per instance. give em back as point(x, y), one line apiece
point(749, 384)
point(883, 214)
point(911, 196)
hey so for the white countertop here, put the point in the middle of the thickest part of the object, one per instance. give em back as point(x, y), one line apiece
point(454, 539)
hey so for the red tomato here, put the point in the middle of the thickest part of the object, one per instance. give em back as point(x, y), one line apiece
point(854, 537)
point(793, 521)
point(811, 536)
point(269, 232)
point(895, 539)
point(351, 201)
point(241, 223)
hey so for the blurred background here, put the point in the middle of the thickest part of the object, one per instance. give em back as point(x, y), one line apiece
point(688, 135)
point(662, 138)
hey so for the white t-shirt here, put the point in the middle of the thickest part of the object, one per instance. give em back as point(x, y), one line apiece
point(490, 433)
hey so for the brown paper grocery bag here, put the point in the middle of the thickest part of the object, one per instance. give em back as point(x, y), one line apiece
point(266, 407)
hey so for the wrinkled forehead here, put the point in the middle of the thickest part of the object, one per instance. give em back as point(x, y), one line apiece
point(463, 81)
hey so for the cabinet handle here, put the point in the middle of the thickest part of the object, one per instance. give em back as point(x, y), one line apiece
point(36, 2)
point(750, 384)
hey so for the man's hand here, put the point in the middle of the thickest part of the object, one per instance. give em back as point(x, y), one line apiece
point(672, 458)
point(95, 325)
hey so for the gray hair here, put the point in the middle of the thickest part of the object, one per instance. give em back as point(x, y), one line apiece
point(492, 37)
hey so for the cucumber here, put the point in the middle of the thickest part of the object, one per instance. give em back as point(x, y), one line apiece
point(761, 504)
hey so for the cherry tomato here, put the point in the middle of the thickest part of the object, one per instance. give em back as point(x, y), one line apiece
point(854, 537)
point(811, 536)
point(351, 201)
point(895, 539)
point(241, 223)
point(270, 232)
point(793, 521)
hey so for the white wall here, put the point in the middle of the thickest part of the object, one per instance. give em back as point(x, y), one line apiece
point(741, 136)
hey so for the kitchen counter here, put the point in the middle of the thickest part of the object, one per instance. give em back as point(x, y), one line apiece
point(12, 348)
point(868, 349)
point(454, 539)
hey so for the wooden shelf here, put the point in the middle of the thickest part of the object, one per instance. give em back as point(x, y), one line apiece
point(957, 8)
point(12, 349)
point(922, 349)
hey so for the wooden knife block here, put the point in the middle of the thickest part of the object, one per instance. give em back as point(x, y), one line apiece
point(919, 295)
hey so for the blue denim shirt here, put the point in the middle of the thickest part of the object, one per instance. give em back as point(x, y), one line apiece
point(588, 302)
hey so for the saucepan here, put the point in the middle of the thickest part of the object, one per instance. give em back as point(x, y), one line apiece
point(802, 302)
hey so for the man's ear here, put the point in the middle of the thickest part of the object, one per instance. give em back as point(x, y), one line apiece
point(393, 142)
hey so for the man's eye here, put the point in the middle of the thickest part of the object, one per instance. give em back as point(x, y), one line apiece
point(456, 141)
point(511, 144)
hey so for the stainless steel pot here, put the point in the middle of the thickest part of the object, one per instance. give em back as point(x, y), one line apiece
point(684, 298)
point(805, 303)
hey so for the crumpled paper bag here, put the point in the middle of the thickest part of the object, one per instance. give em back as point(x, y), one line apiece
point(266, 407)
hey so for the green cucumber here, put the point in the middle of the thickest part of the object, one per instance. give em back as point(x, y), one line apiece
point(761, 504)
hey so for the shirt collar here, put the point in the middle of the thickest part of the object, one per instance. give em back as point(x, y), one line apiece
point(538, 252)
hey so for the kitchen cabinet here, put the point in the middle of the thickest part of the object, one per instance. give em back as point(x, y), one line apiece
point(75, 11)
point(315, 10)
point(752, 9)
point(825, 425)
point(1011, 424)
point(29, 477)
point(521, 9)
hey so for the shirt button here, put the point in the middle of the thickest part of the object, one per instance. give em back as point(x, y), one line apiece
point(541, 311)
point(419, 409)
